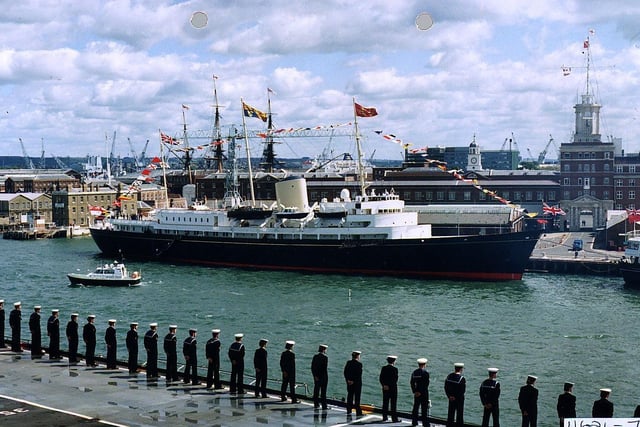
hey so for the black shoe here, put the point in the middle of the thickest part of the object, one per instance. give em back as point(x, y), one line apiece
point(264, 396)
point(283, 399)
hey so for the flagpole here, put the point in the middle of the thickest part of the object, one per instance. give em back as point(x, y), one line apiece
point(164, 172)
point(246, 143)
point(359, 149)
point(187, 152)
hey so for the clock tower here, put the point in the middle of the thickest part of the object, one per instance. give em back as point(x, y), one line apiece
point(473, 159)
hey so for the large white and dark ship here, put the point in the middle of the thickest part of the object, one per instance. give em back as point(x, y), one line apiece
point(369, 234)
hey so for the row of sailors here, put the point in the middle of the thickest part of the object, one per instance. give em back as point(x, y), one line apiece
point(454, 386)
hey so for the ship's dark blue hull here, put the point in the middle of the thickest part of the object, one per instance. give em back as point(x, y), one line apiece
point(487, 257)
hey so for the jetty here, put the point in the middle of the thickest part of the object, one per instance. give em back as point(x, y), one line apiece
point(554, 253)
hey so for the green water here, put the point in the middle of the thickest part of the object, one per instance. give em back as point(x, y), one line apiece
point(560, 328)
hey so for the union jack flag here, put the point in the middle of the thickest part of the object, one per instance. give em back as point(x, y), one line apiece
point(552, 210)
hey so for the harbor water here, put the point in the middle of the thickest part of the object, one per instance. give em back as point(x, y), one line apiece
point(580, 329)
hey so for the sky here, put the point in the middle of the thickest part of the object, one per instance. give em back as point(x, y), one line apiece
point(74, 72)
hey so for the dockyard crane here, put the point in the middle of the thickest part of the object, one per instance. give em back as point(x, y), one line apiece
point(60, 163)
point(543, 153)
point(136, 163)
point(142, 158)
point(512, 143)
point(27, 159)
point(42, 161)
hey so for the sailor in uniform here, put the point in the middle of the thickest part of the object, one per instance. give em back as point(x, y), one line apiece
point(420, 389)
point(112, 344)
point(15, 319)
point(89, 338)
point(319, 369)
point(528, 402)
point(53, 330)
point(389, 381)
point(236, 356)
point(212, 352)
point(72, 337)
point(190, 353)
point(171, 350)
point(36, 333)
point(455, 386)
point(2, 344)
point(132, 347)
point(288, 367)
point(566, 404)
point(151, 345)
point(260, 357)
point(603, 408)
point(353, 376)
point(489, 396)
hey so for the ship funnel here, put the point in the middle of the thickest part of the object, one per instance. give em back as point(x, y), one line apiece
point(291, 193)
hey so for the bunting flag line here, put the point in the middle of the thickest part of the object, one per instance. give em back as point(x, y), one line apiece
point(97, 211)
point(633, 215)
point(249, 111)
point(365, 111)
point(145, 176)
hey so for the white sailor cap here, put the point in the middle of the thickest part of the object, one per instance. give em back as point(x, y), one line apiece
point(493, 370)
point(605, 390)
point(322, 347)
point(193, 330)
point(35, 307)
point(422, 361)
point(215, 331)
point(112, 320)
point(263, 341)
point(55, 310)
point(290, 342)
point(531, 378)
point(153, 325)
point(173, 326)
point(458, 365)
point(133, 324)
point(1, 301)
point(16, 304)
point(239, 335)
point(74, 314)
point(356, 353)
point(91, 316)
point(391, 358)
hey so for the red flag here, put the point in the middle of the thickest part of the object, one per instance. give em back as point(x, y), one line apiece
point(633, 215)
point(156, 160)
point(365, 111)
point(585, 45)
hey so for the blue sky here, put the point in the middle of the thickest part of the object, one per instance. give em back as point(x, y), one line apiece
point(71, 72)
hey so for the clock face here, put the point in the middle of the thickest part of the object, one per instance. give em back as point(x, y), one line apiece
point(474, 160)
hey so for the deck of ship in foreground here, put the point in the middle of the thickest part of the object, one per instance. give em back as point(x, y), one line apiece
point(48, 392)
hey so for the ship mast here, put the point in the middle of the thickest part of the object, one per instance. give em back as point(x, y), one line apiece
point(268, 155)
point(361, 171)
point(246, 143)
point(187, 151)
point(217, 139)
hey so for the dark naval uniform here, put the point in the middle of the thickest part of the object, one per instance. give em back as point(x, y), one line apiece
point(260, 363)
point(53, 330)
point(15, 318)
point(212, 351)
point(288, 367)
point(190, 353)
point(2, 344)
point(236, 356)
point(319, 367)
point(353, 376)
point(112, 346)
point(420, 389)
point(89, 338)
point(490, 398)
point(36, 335)
point(151, 345)
point(72, 337)
point(389, 381)
point(528, 402)
point(132, 348)
point(602, 408)
point(455, 386)
point(566, 406)
point(171, 350)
